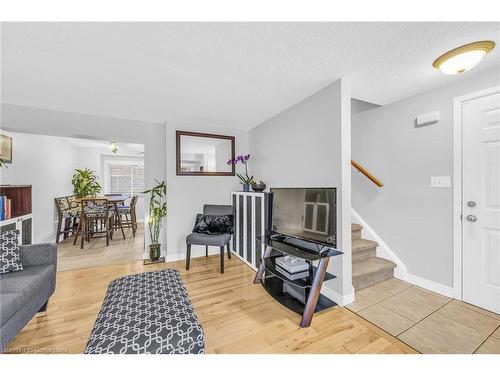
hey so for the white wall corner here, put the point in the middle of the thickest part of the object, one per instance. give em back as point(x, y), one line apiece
point(345, 193)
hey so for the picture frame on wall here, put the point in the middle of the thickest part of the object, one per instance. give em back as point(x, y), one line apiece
point(6, 148)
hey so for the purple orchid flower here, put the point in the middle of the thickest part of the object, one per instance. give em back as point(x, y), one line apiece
point(245, 179)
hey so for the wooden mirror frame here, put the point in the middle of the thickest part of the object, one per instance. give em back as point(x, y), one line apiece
point(179, 133)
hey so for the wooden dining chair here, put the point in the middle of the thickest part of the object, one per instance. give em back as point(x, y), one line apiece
point(67, 215)
point(93, 211)
point(130, 215)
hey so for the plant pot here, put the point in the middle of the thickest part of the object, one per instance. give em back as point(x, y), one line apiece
point(258, 186)
point(154, 251)
point(246, 187)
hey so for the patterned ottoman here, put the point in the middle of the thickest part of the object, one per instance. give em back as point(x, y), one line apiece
point(147, 313)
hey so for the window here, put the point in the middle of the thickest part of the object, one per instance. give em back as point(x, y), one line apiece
point(124, 177)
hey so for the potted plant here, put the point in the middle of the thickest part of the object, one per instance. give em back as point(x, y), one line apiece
point(157, 211)
point(3, 163)
point(85, 183)
point(245, 179)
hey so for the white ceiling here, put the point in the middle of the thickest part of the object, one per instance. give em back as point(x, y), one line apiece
point(233, 75)
point(128, 149)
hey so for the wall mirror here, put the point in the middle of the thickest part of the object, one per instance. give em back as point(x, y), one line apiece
point(201, 154)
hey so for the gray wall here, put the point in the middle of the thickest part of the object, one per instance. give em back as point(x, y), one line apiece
point(34, 158)
point(186, 195)
point(414, 219)
point(302, 147)
point(47, 122)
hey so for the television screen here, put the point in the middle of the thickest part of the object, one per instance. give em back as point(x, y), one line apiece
point(306, 213)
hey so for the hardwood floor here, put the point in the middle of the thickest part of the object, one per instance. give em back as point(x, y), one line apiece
point(96, 253)
point(237, 316)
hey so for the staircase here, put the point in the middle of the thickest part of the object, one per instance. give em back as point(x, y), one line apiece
point(367, 268)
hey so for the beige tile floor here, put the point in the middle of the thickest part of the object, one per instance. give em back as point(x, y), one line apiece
point(96, 253)
point(427, 321)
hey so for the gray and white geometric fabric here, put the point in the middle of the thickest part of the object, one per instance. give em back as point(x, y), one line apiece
point(147, 313)
point(10, 259)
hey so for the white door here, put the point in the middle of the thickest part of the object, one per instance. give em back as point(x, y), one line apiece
point(481, 202)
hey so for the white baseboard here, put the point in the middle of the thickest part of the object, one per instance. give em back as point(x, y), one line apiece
point(383, 250)
point(338, 298)
point(182, 256)
point(425, 283)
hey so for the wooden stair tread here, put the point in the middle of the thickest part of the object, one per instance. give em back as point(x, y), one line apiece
point(360, 244)
point(355, 227)
point(371, 265)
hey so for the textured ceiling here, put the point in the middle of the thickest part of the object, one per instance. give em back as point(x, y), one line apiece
point(235, 75)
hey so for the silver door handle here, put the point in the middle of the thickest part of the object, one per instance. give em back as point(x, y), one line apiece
point(472, 218)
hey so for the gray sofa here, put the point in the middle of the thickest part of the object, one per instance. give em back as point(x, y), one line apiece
point(24, 293)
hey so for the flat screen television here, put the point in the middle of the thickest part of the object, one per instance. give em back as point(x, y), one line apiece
point(305, 213)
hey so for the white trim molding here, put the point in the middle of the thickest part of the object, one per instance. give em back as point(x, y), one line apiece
point(457, 184)
point(427, 284)
point(339, 299)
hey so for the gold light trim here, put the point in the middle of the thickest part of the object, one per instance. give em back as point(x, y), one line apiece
point(484, 45)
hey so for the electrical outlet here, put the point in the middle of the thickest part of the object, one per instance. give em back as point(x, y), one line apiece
point(440, 181)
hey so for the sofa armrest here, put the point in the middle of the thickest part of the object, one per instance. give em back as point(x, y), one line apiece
point(36, 255)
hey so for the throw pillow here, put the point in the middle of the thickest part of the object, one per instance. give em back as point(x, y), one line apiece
point(214, 224)
point(10, 255)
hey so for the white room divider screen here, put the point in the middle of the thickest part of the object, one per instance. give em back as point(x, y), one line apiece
point(252, 220)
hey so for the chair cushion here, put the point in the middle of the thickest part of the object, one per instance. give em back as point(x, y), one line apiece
point(213, 224)
point(29, 282)
point(74, 212)
point(72, 202)
point(98, 215)
point(10, 303)
point(10, 256)
point(62, 203)
point(208, 239)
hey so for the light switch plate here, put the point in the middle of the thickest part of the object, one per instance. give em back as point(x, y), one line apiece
point(440, 181)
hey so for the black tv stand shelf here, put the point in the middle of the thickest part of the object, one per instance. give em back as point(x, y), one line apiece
point(270, 267)
point(277, 284)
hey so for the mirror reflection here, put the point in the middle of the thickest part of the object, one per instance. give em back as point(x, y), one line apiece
point(204, 154)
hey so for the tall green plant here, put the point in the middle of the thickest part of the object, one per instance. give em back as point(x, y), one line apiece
point(157, 210)
point(3, 163)
point(85, 183)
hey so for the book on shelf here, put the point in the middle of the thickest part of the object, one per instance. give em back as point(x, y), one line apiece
point(292, 276)
point(292, 264)
point(2, 208)
point(5, 208)
point(8, 208)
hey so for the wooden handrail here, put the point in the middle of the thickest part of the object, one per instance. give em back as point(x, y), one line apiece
point(372, 178)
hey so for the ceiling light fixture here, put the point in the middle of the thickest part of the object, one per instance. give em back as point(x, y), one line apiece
point(113, 147)
point(463, 58)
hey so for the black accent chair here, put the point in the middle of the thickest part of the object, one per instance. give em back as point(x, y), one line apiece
point(220, 240)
